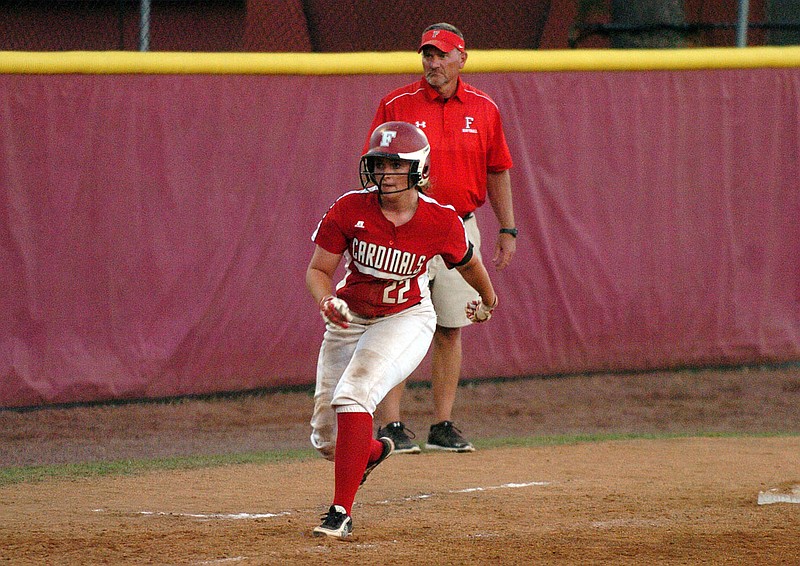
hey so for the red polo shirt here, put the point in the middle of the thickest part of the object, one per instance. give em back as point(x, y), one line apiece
point(466, 137)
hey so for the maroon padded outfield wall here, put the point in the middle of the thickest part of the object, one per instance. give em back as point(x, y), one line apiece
point(155, 229)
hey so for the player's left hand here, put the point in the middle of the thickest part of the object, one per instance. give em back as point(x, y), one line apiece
point(335, 311)
point(477, 311)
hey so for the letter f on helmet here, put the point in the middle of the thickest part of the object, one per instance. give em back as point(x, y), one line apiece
point(387, 136)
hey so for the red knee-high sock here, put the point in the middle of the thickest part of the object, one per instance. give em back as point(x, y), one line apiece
point(353, 447)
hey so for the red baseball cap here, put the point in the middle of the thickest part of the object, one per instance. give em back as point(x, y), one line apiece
point(442, 40)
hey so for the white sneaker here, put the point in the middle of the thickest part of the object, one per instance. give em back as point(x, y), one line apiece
point(335, 523)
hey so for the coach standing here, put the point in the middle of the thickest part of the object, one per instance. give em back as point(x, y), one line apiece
point(469, 161)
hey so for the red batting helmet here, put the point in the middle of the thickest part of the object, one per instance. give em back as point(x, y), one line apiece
point(397, 140)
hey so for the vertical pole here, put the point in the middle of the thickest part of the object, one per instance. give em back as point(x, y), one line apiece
point(144, 25)
point(741, 26)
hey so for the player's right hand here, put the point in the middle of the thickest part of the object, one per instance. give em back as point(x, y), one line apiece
point(335, 311)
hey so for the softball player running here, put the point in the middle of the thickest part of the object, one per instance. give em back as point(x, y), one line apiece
point(379, 318)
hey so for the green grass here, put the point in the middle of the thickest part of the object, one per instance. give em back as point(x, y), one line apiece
point(532, 441)
point(20, 474)
point(71, 472)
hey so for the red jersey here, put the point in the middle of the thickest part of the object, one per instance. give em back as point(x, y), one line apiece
point(386, 265)
point(466, 137)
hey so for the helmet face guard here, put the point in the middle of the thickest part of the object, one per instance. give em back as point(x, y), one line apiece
point(370, 178)
point(396, 141)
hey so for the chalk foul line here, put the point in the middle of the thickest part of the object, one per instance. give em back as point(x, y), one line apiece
point(240, 516)
point(473, 490)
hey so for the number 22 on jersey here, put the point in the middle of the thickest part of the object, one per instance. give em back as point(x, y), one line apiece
point(395, 292)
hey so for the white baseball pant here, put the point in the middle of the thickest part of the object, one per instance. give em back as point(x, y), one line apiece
point(359, 365)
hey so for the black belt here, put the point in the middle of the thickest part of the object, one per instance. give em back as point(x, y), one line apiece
point(467, 216)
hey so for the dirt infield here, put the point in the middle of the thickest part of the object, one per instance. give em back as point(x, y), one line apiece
point(688, 500)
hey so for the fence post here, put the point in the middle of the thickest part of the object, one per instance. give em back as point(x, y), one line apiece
point(144, 25)
point(741, 26)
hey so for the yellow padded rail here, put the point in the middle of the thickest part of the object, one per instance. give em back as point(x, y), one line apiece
point(396, 62)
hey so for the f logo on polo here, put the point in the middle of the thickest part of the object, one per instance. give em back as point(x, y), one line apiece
point(468, 129)
point(387, 136)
